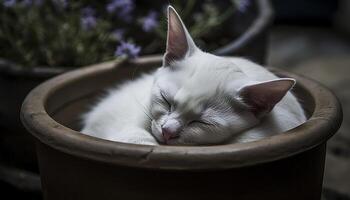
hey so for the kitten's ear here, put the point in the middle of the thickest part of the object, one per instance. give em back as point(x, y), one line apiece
point(179, 41)
point(262, 97)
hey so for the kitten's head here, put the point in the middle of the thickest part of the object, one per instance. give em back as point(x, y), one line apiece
point(202, 99)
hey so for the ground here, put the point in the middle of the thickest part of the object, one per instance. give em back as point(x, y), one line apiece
point(323, 55)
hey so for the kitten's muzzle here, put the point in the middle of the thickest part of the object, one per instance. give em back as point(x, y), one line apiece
point(168, 134)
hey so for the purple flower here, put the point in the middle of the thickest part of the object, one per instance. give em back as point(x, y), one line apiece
point(61, 3)
point(127, 49)
point(88, 19)
point(243, 5)
point(88, 11)
point(9, 3)
point(118, 34)
point(122, 8)
point(32, 2)
point(150, 21)
point(88, 22)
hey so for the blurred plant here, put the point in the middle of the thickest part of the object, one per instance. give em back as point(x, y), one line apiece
point(127, 49)
point(77, 33)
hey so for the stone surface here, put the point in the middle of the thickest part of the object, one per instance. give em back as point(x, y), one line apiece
point(334, 72)
point(337, 174)
point(322, 55)
point(291, 46)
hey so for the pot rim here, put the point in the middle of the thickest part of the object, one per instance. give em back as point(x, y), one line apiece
point(323, 123)
point(259, 25)
point(10, 68)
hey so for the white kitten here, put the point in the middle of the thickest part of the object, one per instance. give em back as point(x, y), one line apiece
point(196, 98)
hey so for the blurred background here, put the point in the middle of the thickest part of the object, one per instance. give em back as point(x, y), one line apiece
point(313, 38)
point(43, 38)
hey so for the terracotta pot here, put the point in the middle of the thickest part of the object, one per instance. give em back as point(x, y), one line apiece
point(17, 149)
point(16, 81)
point(76, 166)
point(254, 25)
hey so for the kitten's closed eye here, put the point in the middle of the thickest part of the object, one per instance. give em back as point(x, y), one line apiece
point(167, 101)
point(193, 122)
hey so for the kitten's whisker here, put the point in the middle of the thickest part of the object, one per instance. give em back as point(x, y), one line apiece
point(144, 109)
point(147, 111)
point(148, 115)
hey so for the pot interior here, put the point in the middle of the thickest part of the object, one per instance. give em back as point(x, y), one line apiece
point(68, 104)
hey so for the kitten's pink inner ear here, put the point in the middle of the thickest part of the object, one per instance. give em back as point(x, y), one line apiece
point(262, 97)
point(177, 45)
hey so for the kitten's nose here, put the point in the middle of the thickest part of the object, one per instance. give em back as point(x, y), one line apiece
point(168, 134)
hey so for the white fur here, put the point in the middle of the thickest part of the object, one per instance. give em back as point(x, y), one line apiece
point(203, 91)
point(120, 116)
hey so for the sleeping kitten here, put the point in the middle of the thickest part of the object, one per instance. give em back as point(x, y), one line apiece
point(196, 98)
